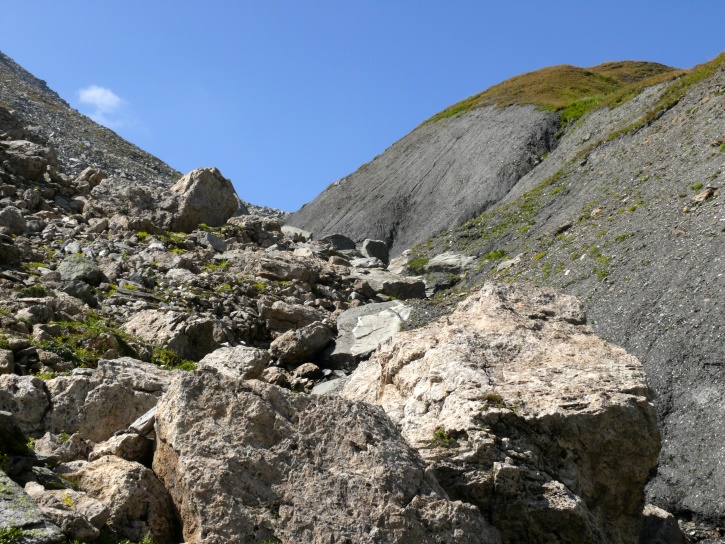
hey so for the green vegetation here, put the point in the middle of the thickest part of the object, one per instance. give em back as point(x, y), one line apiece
point(142, 236)
point(669, 99)
point(84, 342)
point(33, 291)
point(213, 267)
point(539, 256)
point(570, 90)
point(697, 187)
point(11, 535)
point(168, 358)
point(67, 500)
point(416, 265)
point(494, 255)
point(64, 436)
point(494, 399)
point(441, 439)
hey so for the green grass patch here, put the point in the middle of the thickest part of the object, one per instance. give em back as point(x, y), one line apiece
point(570, 90)
point(416, 266)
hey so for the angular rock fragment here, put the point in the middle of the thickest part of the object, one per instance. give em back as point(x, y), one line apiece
point(240, 362)
point(545, 427)
point(205, 196)
point(137, 502)
point(106, 400)
point(299, 345)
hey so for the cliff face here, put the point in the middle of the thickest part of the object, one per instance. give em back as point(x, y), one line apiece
point(435, 178)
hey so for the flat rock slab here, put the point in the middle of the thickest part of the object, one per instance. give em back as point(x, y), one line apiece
point(521, 410)
point(361, 330)
point(389, 284)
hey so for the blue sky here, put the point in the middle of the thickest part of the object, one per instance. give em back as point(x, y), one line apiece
point(286, 97)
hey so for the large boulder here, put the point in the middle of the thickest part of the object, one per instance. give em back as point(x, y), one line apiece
point(28, 159)
point(13, 220)
point(522, 411)
point(239, 362)
point(191, 337)
point(78, 515)
point(79, 268)
point(137, 502)
point(389, 284)
point(251, 462)
point(281, 316)
point(300, 345)
point(26, 399)
point(361, 330)
point(101, 402)
point(204, 196)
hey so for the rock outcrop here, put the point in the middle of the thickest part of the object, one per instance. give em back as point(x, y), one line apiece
point(247, 461)
point(522, 411)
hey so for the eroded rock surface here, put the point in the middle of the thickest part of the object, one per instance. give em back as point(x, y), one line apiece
point(99, 403)
point(247, 462)
point(522, 411)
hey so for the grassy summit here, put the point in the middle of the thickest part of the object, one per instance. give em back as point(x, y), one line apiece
point(569, 89)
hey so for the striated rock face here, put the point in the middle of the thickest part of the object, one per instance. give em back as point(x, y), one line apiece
point(522, 411)
point(435, 178)
point(247, 462)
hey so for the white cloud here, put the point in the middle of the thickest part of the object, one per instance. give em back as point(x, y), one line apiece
point(107, 106)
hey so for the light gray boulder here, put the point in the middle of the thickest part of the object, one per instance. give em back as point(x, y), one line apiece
point(520, 409)
point(204, 196)
point(207, 239)
point(281, 316)
point(389, 284)
point(13, 220)
point(300, 469)
point(79, 268)
point(26, 399)
point(239, 362)
point(137, 502)
point(191, 337)
point(105, 401)
point(453, 263)
point(78, 515)
point(300, 345)
point(361, 330)
point(7, 361)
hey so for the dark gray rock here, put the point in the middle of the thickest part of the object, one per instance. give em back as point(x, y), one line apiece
point(338, 241)
point(435, 178)
point(377, 249)
point(13, 220)
point(22, 519)
point(76, 267)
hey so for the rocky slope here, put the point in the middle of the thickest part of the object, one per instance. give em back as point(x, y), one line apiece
point(173, 372)
point(435, 178)
point(467, 158)
point(626, 213)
